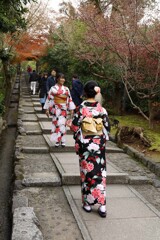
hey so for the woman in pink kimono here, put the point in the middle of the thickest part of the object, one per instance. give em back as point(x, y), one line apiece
point(58, 103)
point(91, 133)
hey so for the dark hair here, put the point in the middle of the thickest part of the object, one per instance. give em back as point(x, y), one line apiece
point(89, 89)
point(75, 76)
point(59, 75)
point(45, 73)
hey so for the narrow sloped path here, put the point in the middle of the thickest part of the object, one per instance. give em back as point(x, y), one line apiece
point(7, 148)
point(37, 182)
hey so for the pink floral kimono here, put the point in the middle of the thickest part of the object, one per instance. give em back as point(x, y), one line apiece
point(91, 151)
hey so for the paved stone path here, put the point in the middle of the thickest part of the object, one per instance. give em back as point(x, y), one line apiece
point(47, 199)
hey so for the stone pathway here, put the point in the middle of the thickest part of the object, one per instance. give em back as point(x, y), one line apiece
point(47, 199)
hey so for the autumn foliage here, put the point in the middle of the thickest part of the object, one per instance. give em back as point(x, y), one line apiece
point(29, 47)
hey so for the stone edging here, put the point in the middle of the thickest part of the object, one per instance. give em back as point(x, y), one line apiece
point(25, 222)
point(150, 164)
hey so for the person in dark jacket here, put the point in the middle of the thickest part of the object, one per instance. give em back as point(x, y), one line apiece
point(33, 81)
point(42, 89)
point(77, 90)
point(51, 80)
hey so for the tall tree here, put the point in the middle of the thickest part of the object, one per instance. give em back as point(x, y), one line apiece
point(12, 14)
point(121, 38)
point(11, 20)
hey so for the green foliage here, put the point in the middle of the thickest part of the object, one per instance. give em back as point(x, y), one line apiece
point(5, 55)
point(26, 63)
point(12, 70)
point(75, 35)
point(57, 57)
point(11, 14)
point(61, 57)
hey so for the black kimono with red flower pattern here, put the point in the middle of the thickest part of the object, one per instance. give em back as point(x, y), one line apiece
point(91, 151)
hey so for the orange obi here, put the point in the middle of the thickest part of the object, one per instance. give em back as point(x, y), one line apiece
point(59, 99)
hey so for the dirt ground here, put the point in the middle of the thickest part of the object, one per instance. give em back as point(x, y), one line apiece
point(7, 143)
point(137, 144)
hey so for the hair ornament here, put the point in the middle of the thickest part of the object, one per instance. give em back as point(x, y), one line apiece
point(97, 89)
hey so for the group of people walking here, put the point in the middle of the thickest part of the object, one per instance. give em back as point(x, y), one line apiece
point(90, 125)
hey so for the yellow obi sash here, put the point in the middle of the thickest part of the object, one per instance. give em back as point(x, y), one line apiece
point(59, 99)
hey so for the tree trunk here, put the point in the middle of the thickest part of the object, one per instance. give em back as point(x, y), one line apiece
point(19, 69)
point(37, 66)
point(152, 113)
point(117, 100)
point(124, 99)
point(7, 86)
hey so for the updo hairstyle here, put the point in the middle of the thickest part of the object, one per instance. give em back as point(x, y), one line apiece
point(89, 89)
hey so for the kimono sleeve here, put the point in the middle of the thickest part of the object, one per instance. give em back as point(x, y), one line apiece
point(49, 101)
point(76, 122)
point(106, 122)
point(71, 105)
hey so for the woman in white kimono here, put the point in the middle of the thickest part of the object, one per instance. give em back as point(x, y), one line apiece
point(58, 103)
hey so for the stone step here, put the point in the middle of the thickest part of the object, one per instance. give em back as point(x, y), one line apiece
point(38, 109)
point(28, 111)
point(35, 96)
point(139, 180)
point(24, 88)
point(15, 92)
point(34, 132)
point(43, 117)
point(28, 100)
point(112, 178)
point(32, 128)
point(29, 117)
point(47, 125)
point(35, 99)
point(36, 104)
point(35, 149)
point(71, 148)
point(26, 104)
point(42, 180)
point(68, 168)
point(26, 96)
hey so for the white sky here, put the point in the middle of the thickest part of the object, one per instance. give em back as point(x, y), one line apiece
point(54, 4)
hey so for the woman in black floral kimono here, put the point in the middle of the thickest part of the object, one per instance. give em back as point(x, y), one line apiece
point(91, 127)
